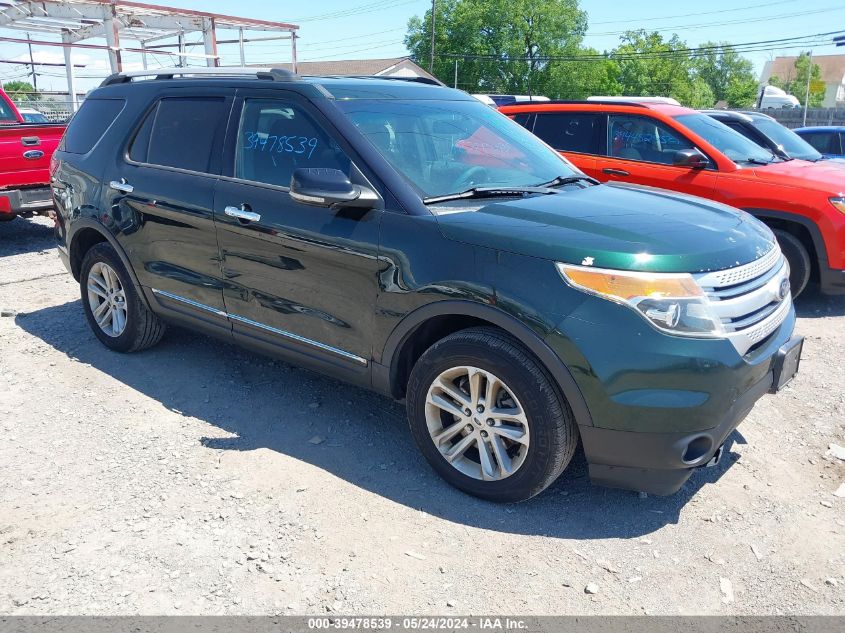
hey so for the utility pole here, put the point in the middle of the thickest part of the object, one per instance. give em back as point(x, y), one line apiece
point(456, 73)
point(807, 96)
point(32, 64)
point(433, 17)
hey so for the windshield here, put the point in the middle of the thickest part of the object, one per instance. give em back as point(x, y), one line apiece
point(793, 145)
point(730, 142)
point(445, 147)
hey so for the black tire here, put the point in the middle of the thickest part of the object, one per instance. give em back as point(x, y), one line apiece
point(553, 432)
point(143, 328)
point(799, 261)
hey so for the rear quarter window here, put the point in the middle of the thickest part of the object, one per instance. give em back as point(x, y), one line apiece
point(90, 123)
point(181, 132)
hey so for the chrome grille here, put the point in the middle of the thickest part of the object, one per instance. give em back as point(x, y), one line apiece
point(751, 300)
point(737, 275)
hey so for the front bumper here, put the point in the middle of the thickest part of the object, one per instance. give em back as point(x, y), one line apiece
point(660, 405)
point(660, 463)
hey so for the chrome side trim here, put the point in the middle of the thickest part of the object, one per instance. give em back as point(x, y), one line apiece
point(268, 328)
point(300, 339)
point(190, 302)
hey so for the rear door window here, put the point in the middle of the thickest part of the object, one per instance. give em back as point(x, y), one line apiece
point(276, 137)
point(569, 132)
point(184, 133)
point(89, 124)
point(641, 138)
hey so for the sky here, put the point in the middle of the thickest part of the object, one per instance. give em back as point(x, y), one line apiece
point(357, 29)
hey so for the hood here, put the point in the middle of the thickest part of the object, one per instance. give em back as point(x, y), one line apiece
point(827, 176)
point(612, 226)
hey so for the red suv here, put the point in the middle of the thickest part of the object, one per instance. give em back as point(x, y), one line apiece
point(676, 148)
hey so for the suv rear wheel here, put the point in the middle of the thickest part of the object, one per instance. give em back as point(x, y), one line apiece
point(115, 312)
point(487, 418)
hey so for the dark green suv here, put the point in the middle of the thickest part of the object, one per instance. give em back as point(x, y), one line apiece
point(404, 237)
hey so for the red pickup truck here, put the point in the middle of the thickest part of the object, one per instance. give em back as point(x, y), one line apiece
point(25, 152)
point(670, 147)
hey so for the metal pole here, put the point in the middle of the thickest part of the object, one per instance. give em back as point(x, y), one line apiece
point(456, 73)
point(181, 49)
point(293, 38)
point(241, 44)
point(144, 55)
point(433, 19)
point(112, 33)
point(209, 39)
point(71, 80)
point(32, 65)
point(807, 96)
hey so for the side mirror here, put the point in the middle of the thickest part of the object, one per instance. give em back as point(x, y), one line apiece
point(330, 188)
point(691, 158)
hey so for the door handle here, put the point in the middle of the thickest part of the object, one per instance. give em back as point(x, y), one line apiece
point(121, 185)
point(29, 141)
point(615, 172)
point(242, 213)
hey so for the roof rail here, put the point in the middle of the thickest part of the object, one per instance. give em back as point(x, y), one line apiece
point(635, 104)
point(644, 99)
point(419, 80)
point(271, 74)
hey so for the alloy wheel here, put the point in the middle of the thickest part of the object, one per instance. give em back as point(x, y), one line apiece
point(107, 299)
point(477, 423)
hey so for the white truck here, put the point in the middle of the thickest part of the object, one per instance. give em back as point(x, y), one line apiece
point(772, 97)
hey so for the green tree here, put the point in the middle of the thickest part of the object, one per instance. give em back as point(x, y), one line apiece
point(729, 75)
point(650, 65)
point(742, 92)
point(500, 45)
point(21, 91)
point(583, 78)
point(795, 83)
point(694, 93)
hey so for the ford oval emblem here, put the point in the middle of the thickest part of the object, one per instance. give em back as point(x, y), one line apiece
point(33, 154)
point(784, 288)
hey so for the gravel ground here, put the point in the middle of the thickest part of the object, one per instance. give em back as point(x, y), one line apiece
point(196, 478)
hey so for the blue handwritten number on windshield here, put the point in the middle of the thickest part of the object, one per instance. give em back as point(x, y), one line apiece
point(281, 144)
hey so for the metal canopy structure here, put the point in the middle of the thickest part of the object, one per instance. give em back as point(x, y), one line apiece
point(117, 20)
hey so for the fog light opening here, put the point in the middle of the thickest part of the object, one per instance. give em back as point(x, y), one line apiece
point(697, 448)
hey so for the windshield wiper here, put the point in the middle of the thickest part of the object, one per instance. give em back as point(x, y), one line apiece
point(757, 161)
point(567, 180)
point(490, 192)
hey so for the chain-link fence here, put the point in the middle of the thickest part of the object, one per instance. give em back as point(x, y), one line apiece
point(56, 110)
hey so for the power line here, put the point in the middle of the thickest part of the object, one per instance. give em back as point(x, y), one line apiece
point(351, 11)
point(800, 40)
point(703, 25)
point(690, 15)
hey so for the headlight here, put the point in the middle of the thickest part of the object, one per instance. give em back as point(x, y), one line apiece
point(672, 302)
point(838, 204)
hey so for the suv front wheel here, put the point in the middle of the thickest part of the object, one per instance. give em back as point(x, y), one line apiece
point(487, 417)
point(115, 312)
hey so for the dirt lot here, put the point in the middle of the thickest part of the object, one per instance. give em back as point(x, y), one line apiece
point(199, 478)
